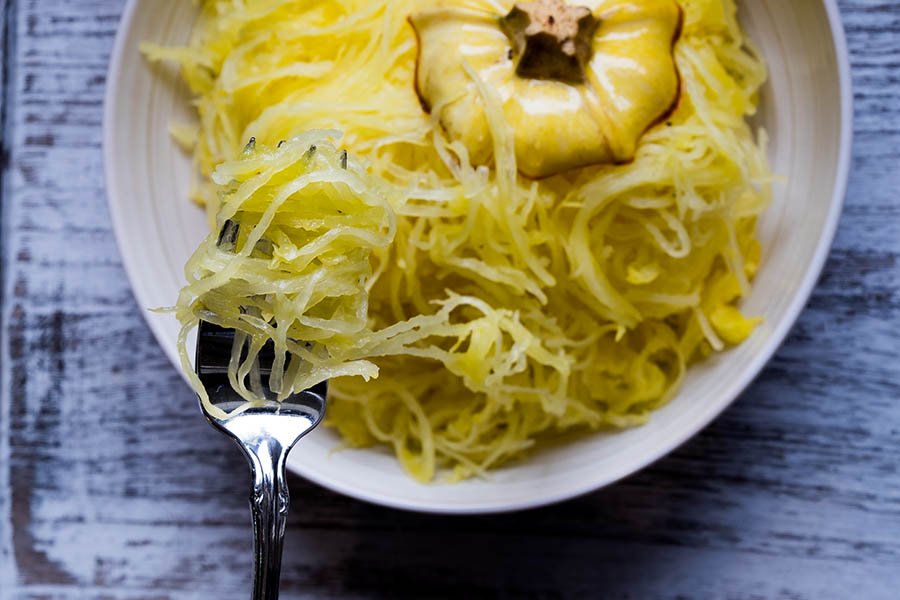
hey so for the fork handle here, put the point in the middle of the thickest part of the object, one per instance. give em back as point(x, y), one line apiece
point(269, 505)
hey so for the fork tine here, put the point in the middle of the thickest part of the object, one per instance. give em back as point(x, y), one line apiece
point(213, 355)
point(228, 235)
point(214, 347)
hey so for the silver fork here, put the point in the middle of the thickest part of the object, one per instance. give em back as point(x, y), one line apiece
point(265, 434)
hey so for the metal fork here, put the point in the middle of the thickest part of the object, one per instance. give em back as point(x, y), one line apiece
point(265, 434)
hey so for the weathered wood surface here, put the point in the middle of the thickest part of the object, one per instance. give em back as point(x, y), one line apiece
point(793, 493)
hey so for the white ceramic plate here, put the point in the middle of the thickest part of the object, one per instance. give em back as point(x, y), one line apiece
point(806, 108)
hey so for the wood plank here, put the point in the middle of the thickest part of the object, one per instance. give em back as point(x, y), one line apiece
point(120, 490)
point(7, 567)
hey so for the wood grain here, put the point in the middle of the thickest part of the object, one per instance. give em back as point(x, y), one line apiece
point(110, 488)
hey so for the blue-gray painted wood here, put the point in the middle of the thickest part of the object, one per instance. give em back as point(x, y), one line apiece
point(793, 493)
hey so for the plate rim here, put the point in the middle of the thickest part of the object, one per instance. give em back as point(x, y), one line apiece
point(749, 374)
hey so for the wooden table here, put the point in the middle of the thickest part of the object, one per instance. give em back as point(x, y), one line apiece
point(793, 493)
